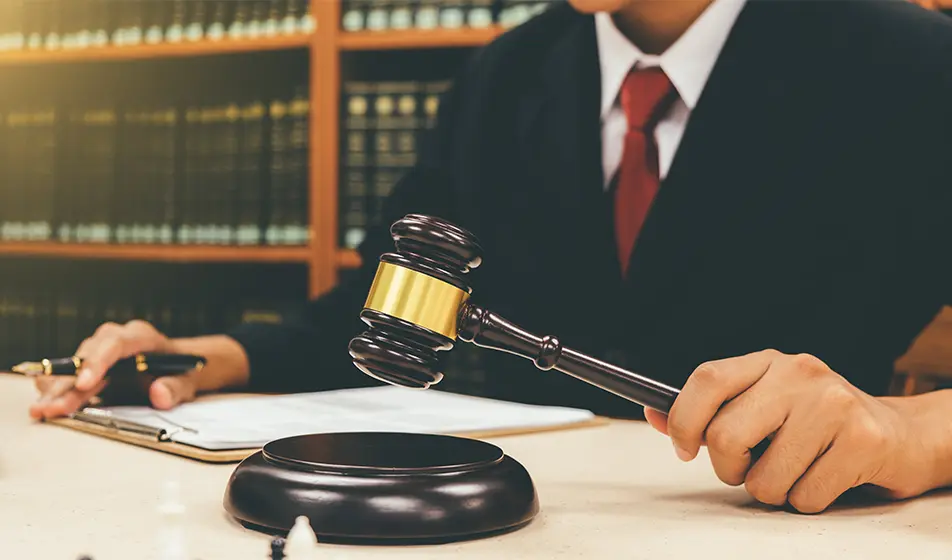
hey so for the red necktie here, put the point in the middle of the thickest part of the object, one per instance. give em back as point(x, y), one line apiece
point(645, 96)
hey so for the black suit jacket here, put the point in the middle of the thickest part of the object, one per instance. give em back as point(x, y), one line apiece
point(807, 210)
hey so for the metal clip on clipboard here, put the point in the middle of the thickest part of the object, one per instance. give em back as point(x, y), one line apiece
point(105, 419)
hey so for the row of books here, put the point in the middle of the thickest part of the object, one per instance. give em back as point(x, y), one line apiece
point(78, 24)
point(222, 173)
point(43, 315)
point(382, 125)
point(384, 15)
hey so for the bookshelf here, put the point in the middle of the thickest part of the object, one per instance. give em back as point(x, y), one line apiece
point(322, 255)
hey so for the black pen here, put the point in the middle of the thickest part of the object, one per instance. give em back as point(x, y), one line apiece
point(152, 364)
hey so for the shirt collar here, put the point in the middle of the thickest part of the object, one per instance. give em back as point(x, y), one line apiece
point(688, 62)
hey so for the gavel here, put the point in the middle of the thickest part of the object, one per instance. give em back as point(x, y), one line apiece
point(419, 304)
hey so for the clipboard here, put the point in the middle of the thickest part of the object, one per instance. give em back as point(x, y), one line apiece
point(151, 438)
point(102, 423)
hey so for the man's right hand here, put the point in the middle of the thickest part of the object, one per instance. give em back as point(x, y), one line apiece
point(60, 396)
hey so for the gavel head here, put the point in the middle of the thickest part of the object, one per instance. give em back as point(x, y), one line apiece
point(415, 300)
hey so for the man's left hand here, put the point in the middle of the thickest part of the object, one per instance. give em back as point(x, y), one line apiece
point(826, 436)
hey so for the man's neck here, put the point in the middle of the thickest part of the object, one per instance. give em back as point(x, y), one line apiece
point(655, 25)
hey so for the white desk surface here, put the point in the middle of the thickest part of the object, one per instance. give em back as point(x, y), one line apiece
point(608, 492)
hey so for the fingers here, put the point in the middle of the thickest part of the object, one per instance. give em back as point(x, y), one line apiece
point(739, 426)
point(706, 390)
point(826, 480)
point(60, 398)
point(804, 436)
point(71, 401)
point(168, 392)
point(49, 388)
point(110, 343)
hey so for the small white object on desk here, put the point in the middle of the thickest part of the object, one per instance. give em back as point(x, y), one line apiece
point(302, 541)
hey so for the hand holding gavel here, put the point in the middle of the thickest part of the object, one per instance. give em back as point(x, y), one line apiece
point(830, 435)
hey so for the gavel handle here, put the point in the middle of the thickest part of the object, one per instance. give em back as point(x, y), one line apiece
point(488, 330)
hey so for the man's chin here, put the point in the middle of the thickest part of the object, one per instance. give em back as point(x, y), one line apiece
point(593, 6)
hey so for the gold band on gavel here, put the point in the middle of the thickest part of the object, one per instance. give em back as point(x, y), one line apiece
point(416, 298)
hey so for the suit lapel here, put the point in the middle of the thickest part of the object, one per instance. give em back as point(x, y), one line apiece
point(560, 133)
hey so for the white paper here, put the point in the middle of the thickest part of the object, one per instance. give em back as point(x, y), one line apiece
point(250, 422)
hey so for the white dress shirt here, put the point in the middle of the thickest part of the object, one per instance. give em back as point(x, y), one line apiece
point(687, 63)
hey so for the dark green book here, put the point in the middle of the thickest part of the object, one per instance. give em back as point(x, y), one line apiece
point(356, 163)
point(252, 178)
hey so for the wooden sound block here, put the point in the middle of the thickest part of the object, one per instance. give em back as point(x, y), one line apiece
point(382, 487)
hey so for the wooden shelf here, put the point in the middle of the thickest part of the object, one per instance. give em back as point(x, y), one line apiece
point(348, 258)
point(416, 39)
point(160, 253)
point(163, 50)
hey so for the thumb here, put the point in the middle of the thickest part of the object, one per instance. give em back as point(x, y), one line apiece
point(166, 393)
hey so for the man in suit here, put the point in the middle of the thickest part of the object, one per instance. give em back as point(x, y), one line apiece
point(743, 199)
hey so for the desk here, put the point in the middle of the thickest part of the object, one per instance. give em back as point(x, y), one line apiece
point(609, 492)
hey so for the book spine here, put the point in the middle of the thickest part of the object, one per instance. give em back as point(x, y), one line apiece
point(219, 19)
point(164, 127)
point(6, 175)
point(396, 122)
point(427, 14)
point(401, 14)
point(276, 13)
point(241, 19)
point(293, 19)
point(356, 163)
point(131, 154)
point(100, 23)
point(133, 206)
point(252, 161)
point(192, 175)
point(353, 15)
point(258, 23)
point(38, 198)
point(175, 14)
point(297, 230)
point(97, 156)
point(307, 22)
point(11, 26)
point(54, 24)
point(204, 193)
point(196, 20)
point(34, 24)
point(155, 14)
point(69, 26)
point(225, 197)
point(11, 175)
point(378, 15)
point(452, 14)
point(279, 142)
point(288, 218)
point(479, 14)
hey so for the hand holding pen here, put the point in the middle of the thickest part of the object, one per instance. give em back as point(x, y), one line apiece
point(109, 357)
